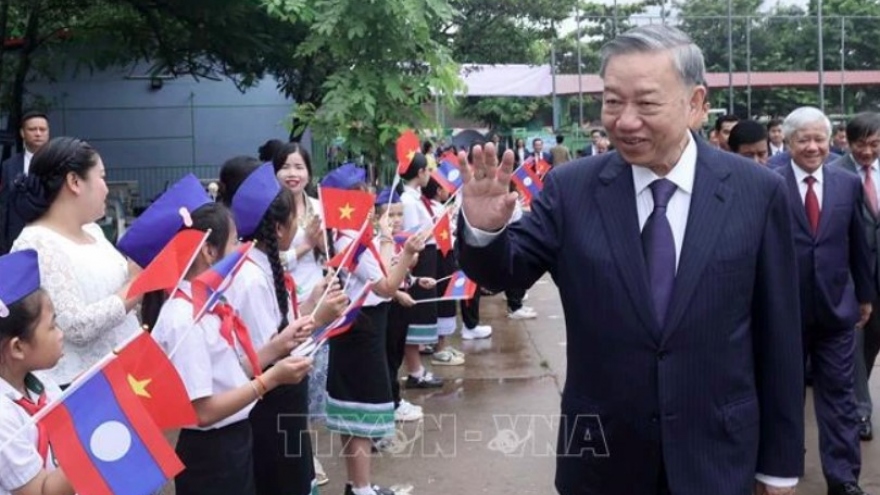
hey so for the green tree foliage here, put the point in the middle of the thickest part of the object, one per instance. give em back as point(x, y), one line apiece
point(387, 64)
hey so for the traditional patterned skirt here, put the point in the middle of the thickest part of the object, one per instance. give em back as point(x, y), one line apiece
point(359, 399)
point(423, 317)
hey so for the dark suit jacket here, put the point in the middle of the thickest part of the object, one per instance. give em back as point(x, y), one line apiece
point(546, 155)
point(11, 223)
point(834, 267)
point(716, 395)
point(872, 223)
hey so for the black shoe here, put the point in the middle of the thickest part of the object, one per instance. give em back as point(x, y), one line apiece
point(426, 350)
point(427, 380)
point(845, 489)
point(376, 488)
point(866, 430)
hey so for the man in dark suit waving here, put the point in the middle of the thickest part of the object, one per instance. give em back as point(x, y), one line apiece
point(836, 287)
point(676, 269)
point(34, 134)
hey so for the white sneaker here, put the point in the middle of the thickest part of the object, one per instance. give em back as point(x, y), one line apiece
point(529, 309)
point(478, 332)
point(522, 315)
point(406, 412)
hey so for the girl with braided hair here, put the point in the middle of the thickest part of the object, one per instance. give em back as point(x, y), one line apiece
point(265, 297)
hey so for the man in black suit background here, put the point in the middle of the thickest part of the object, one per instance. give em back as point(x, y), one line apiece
point(676, 270)
point(836, 287)
point(34, 133)
point(863, 135)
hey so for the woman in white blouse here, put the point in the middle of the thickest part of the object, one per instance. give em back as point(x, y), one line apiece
point(60, 199)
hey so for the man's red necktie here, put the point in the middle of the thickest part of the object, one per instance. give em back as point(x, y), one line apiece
point(811, 203)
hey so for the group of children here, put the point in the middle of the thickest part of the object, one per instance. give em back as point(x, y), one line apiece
point(236, 360)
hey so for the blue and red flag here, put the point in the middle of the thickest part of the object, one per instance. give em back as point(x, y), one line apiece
point(106, 440)
point(209, 286)
point(345, 322)
point(528, 183)
point(348, 258)
point(448, 176)
point(460, 287)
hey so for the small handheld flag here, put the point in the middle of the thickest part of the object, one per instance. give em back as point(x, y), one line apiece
point(443, 234)
point(209, 286)
point(155, 381)
point(448, 176)
point(171, 264)
point(528, 182)
point(407, 147)
point(105, 439)
point(345, 209)
point(459, 288)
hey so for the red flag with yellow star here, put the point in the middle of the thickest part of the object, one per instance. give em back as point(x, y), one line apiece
point(156, 383)
point(344, 209)
point(407, 147)
point(443, 234)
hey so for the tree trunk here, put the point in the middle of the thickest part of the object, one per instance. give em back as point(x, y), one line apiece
point(6, 150)
point(31, 42)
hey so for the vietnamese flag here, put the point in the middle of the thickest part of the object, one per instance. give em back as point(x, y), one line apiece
point(155, 381)
point(171, 264)
point(443, 235)
point(407, 147)
point(105, 439)
point(345, 209)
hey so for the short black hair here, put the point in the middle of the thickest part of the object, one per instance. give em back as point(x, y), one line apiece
point(33, 114)
point(774, 123)
point(725, 118)
point(839, 128)
point(863, 125)
point(746, 132)
point(560, 138)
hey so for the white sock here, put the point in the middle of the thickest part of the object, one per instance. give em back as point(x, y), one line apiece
point(364, 490)
point(418, 374)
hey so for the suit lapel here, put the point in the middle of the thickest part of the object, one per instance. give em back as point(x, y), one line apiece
point(710, 204)
point(829, 187)
point(794, 199)
point(616, 200)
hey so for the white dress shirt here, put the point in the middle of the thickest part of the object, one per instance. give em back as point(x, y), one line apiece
point(28, 156)
point(800, 175)
point(775, 151)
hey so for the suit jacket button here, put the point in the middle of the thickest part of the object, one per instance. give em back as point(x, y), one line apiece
point(661, 355)
point(655, 418)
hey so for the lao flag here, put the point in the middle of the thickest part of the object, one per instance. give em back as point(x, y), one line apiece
point(348, 258)
point(155, 381)
point(528, 182)
point(210, 285)
point(106, 441)
point(448, 176)
point(460, 287)
point(346, 321)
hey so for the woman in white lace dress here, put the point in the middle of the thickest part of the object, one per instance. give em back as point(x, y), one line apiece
point(86, 277)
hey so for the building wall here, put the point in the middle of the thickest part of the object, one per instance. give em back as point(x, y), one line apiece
point(156, 135)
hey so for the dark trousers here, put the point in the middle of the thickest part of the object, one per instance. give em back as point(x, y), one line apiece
point(470, 311)
point(832, 354)
point(514, 299)
point(395, 339)
point(217, 461)
point(872, 338)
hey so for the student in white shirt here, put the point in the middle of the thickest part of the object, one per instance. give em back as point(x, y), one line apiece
point(29, 342)
point(266, 297)
point(359, 403)
point(423, 318)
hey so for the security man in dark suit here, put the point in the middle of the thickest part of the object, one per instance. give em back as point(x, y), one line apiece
point(34, 133)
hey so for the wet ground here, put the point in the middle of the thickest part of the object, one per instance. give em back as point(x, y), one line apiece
point(491, 429)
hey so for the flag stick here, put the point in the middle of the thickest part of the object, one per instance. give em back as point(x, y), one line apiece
point(323, 224)
point(440, 299)
point(348, 251)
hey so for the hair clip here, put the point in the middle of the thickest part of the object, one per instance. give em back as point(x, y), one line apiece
point(187, 219)
point(4, 310)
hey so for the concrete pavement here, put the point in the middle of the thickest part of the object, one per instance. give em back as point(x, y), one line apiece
point(492, 428)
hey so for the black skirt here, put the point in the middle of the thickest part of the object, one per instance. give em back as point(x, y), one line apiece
point(218, 461)
point(446, 266)
point(282, 446)
point(359, 401)
point(423, 317)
